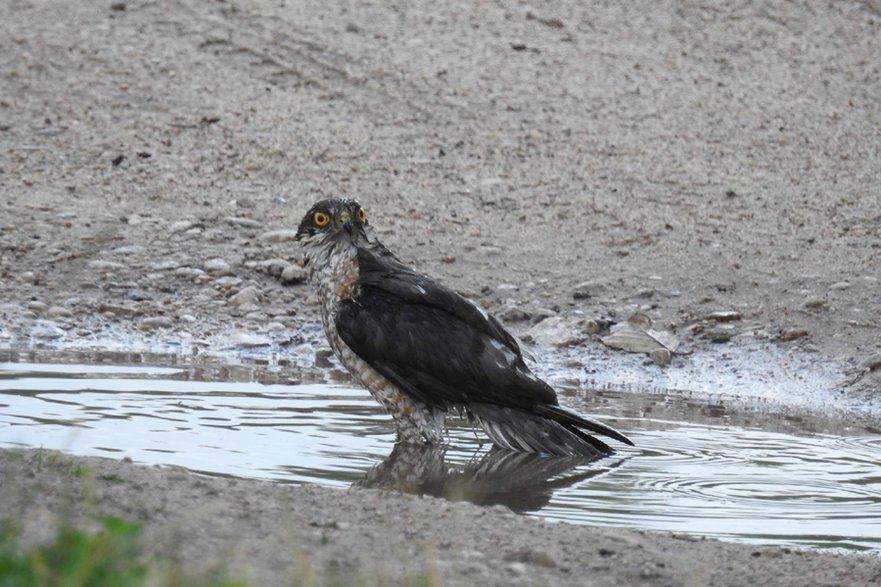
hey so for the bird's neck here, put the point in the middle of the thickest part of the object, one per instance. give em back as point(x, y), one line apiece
point(334, 271)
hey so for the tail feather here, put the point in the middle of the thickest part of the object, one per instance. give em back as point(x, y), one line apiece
point(550, 431)
point(563, 415)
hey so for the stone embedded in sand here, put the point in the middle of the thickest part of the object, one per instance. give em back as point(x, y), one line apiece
point(249, 296)
point(243, 339)
point(58, 312)
point(872, 362)
point(181, 226)
point(273, 267)
point(590, 326)
point(217, 265)
point(246, 222)
point(129, 250)
point(789, 334)
point(100, 265)
point(724, 316)
point(556, 331)
point(661, 356)
point(156, 322)
point(514, 314)
point(48, 330)
point(279, 236)
point(813, 304)
point(293, 274)
point(587, 289)
point(37, 306)
point(188, 272)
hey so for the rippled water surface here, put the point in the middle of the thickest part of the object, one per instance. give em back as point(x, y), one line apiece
point(695, 469)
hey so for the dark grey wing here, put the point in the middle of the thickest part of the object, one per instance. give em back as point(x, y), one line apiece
point(380, 269)
point(433, 354)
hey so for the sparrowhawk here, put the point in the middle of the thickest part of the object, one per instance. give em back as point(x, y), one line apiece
point(423, 350)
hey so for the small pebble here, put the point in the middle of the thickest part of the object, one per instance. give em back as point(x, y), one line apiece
point(279, 236)
point(788, 334)
point(58, 312)
point(165, 265)
point(719, 337)
point(724, 316)
point(188, 272)
point(590, 326)
point(813, 304)
point(272, 266)
point(99, 265)
point(872, 362)
point(293, 274)
point(129, 250)
point(37, 306)
point(514, 314)
point(47, 331)
point(138, 295)
point(541, 314)
point(586, 290)
point(217, 265)
point(181, 226)
point(243, 339)
point(227, 282)
point(248, 296)
point(246, 222)
point(156, 322)
point(661, 356)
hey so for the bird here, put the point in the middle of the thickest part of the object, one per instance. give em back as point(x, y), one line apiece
point(424, 351)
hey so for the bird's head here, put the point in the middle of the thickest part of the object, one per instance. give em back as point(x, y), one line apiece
point(331, 219)
point(330, 224)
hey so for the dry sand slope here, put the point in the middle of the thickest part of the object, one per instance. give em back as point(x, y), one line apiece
point(565, 159)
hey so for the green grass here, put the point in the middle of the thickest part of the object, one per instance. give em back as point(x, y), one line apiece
point(109, 558)
point(106, 559)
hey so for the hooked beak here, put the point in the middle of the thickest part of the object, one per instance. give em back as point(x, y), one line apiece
point(346, 222)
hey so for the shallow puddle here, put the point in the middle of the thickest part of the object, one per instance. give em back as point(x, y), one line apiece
point(695, 469)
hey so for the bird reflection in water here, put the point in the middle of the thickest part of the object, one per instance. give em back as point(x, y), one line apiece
point(521, 481)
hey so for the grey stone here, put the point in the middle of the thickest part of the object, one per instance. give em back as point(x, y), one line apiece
point(155, 322)
point(58, 312)
point(279, 236)
point(249, 296)
point(246, 222)
point(101, 265)
point(181, 226)
point(293, 274)
point(217, 265)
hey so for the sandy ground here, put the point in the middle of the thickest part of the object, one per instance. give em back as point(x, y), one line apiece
point(565, 164)
point(274, 534)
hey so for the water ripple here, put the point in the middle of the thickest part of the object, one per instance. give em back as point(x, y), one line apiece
point(705, 478)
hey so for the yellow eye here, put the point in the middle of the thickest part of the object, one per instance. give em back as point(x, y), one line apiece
point(321, 218)
point(361, 214)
